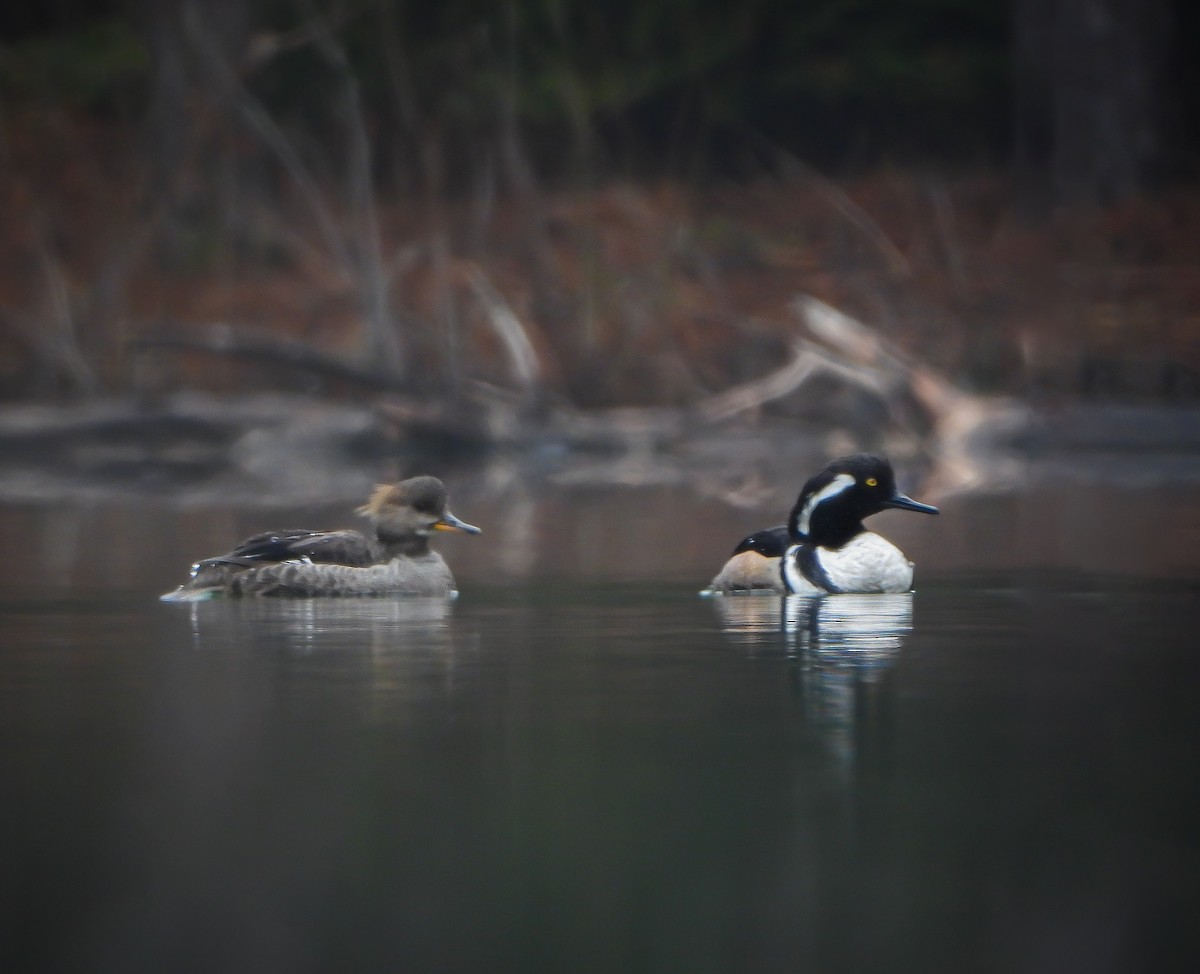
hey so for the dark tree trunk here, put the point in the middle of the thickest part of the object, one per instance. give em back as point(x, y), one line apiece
point(1091, 102)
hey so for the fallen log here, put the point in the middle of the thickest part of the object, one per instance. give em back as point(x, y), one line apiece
point(961, 424)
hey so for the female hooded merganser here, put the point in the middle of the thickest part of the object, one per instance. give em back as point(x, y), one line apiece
point(754, 564)
point(395, 560)
point(824, 548)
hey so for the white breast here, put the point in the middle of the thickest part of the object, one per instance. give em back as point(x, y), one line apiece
point(867, 563)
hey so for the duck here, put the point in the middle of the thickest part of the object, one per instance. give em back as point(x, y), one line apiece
point(753, 566)
point(830, 551)
point(824, 548)
point(394, 558)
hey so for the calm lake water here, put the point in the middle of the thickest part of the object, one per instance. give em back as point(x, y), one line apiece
point(580, 765)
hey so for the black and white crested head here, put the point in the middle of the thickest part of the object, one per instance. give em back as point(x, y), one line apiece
point(830, 509)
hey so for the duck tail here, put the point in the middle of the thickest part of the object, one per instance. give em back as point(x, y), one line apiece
point(192, 593)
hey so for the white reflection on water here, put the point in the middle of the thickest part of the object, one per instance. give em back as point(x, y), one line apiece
point(861, 630)
point(841, 645)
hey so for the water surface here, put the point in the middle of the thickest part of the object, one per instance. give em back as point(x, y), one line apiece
point(581, 765)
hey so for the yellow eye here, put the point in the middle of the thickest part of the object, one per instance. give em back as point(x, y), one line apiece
point(872, 482)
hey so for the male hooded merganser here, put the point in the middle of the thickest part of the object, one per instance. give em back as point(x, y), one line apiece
point(824, 548)
point(831, 551)
point(395, 560)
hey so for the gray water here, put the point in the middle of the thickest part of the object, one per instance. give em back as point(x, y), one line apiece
point(580, 765)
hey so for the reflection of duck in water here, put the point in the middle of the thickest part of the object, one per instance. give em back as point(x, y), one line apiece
point(839, 647)
point(395, 559)
point(827, 548)
point(843, 646)
point(859, 630)
point(381, 627)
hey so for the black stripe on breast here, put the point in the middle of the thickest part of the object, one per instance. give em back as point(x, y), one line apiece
point(810, 566)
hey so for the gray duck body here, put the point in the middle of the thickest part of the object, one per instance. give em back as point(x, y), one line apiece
point(394, 559)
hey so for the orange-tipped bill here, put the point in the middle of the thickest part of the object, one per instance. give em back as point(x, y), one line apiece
point(449, 522)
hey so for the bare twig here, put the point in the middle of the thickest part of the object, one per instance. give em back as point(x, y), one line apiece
point(383, 339)
point(361, 258)
point(260, 122)
point(849, 336)
point(956, 417)
point(943, 220)
point(807, 362)
point(62, 347)
point(504, 321)
point(792, 166)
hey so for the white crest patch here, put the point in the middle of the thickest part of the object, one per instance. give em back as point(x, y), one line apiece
point(840, 483)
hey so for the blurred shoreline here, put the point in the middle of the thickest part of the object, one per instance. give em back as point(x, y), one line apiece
point(263, 451)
